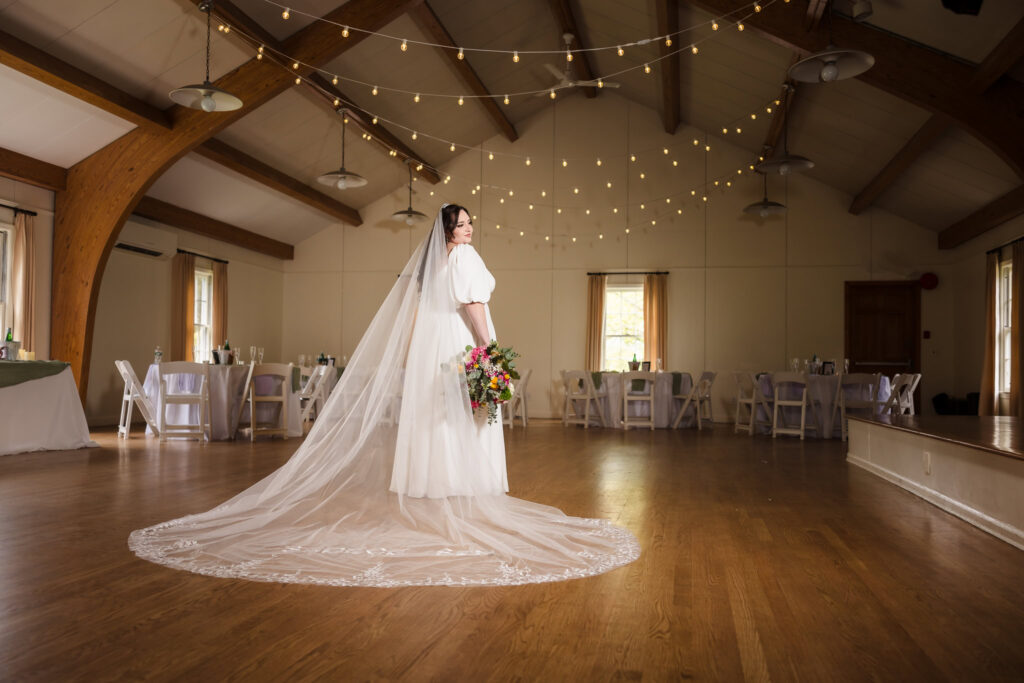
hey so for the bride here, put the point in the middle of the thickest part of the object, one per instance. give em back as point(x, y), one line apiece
point(399, 482)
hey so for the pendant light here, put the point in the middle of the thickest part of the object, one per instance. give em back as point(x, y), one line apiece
point(205, 95)
point(765, 207)
point(410, 215)
point(786, 163)
point(342, 178)
point(831, 64)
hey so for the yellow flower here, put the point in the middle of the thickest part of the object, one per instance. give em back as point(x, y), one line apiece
point(476, 365)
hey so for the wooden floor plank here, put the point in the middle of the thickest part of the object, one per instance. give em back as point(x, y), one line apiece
point(761, 560)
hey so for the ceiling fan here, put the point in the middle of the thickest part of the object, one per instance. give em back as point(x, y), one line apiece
point(565, 78)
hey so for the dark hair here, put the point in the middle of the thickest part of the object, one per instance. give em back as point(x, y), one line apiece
point(450, 218)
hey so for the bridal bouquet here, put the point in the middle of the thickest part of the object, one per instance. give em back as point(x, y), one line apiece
point(489, 370)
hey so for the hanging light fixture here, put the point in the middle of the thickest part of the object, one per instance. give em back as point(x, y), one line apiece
point(410, 215)
point(205, 96)
point(342, 179)
point(786, 163)
point(831, 64)
point(765, 207)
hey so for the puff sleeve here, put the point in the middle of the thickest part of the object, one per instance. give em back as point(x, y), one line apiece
point(470, 280)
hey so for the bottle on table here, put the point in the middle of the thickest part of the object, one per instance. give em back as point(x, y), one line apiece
point(158, 355)
point(10, 335)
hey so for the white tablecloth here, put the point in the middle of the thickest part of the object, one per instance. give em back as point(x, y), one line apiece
point(225, 399)
point(821, 392)
point(43, 415)
point(665, 407)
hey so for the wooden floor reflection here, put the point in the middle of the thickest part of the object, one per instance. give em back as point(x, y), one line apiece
point(762, 559)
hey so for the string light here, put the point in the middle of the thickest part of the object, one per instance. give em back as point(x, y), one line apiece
point(565, 163)
point(374, 91)
point(414, 135)
point(599, 162)
point(528, 162)
point(461, 55)
point(452, 147)
point(298, 80)
point(507, 100)
point(295, 65)
point(668, 41)
point(757, 7)
point(552, 94)
point(647, 68)
point(337, 102)
point(490, 156)
point(416, 99)
point(460, 100)
point(609, 184)
point(620, 51)
point(374, 120)
point(714, 25)
point(694, 49)
point(286, 13)
point(515, 56)
point(632, 157)
point(600, 83)
point(568, 56)
point(740, 26)
point(404, 46)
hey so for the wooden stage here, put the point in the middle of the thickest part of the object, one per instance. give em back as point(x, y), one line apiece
point(762, 559)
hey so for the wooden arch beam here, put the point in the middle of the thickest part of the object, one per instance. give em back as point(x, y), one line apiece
point(668, 24)
point(103, 189)
point(995, 213)
point(581, 61)
point(428, 21)
point(1007, 53)
point(911, 72)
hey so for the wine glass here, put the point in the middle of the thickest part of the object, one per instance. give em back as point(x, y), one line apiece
point(252, 353)
point(259, 355)
point(302, 360)
point(794, 364)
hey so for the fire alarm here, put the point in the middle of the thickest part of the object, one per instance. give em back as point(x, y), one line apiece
point(929, 281)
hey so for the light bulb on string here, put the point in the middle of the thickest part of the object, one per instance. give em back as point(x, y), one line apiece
point(552, 94)
point(490, 156)
point(600, 235)
point(374, 120)
point(531, 207)
point(414, 135)
point(344, 32)
point(528, 162)
point(543, 193)
point(404, 46)
point(620, 51)
point(515, 56)
point(642, 176)
point(286, 14)
point(615, 210)
point(520, 233)
point(632, 157)
point(668, 41)
point(647, 68)
point(374, 91)
point(696, 142)
point(507, 100)
point(565, 163)
point(559, 209)
point(738, 130)
point(627, 231)
point(451, 148)
point(753, 117)
point(575, 190)
point(600, 83)
point(416, 98)
point(298, 80)
point(757, 7)
point(568, 56)
point(739, 26)
point(694, 49)
point(337, 102)
point(460, 100)
point(714, 25)
point(599, 162)
point(609, 184)
point(295, 65)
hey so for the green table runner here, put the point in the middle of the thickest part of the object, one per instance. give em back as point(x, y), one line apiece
point(17, 371)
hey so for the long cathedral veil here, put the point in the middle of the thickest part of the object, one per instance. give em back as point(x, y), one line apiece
point(329, 515)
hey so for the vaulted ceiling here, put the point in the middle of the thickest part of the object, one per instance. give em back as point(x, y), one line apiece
point(142, 50)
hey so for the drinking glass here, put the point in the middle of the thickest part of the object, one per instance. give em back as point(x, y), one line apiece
point(807, 365)
point(658, 367)
point(259, 355)
point(846, 366)
point(302, 360)
point(252, 353)
point(794, 364)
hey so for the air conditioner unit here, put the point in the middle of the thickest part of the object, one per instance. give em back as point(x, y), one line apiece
point(147, 240)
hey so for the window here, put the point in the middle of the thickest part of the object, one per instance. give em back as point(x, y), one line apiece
point(6, 313)
point(202, 344)
point(623, 336)
point(1004, 292)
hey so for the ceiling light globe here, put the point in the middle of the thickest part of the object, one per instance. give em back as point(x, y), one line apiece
point(784, 169)
point(207, 103)
point(829, 72)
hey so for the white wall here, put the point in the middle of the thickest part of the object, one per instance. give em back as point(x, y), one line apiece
point(133, 314)
point(39, 200)
point(744, 294)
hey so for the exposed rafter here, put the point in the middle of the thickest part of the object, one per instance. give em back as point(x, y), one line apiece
point(1008, 52)
point(815, 10)
point(254, 169)
point(428, 21)
point(993, 214)
point(103, 189)
point(175, 216)
point(32, 171)
point(787, 100)
point(581, 61)
point(31, 61)
point(668, 24)
point(364, 120)
point(908, 71)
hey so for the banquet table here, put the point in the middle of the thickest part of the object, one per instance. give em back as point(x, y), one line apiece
point(821, 393)
point(225, 399)
point(665, 406)
point(40, 409)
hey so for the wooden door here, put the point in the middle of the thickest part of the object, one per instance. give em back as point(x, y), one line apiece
point(883, 327)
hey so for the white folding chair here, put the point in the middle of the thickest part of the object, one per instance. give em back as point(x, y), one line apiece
point(631, 394)
point(901, 397)
point(133, 395)
point(787, 382)
point(279, 376)
point(687, 397)
point(517, 405)
point(313, 390)
point(579, 388)
point(244, 394)
point(857, 391)
point(704, 384)
point(749, 394)
point(183, 383)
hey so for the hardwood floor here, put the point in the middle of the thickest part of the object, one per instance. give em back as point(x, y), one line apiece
point(762, 560)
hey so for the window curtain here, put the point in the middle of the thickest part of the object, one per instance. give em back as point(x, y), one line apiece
point(220, 303)
point(183, 301)
point(655, 318)
point(595, 321)
point(1017, 332)
point(23, 280)
point(989, 401)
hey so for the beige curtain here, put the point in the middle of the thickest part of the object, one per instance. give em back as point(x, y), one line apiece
point(1017, 332)
point(23, 280)
point(220, 303)
point(989, 401)
point(655, 318)
point(595, 321)
point(183, 301)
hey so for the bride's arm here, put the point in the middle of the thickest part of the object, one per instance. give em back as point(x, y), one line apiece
point(479, 319)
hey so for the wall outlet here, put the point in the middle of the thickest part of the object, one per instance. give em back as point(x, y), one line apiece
point(926, 460)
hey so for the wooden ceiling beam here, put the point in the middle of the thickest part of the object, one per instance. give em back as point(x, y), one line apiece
point(993, 214)
point(909, 71)
point(254, 169)
point(815, 10)
point(56, 73)
point(364, 121)
point(1008, 52)
point(781, 113)
point(175, 216)
point(581, 60)
point(668, 24)
point(428, 21)
point(33, 171)
point(103, 189)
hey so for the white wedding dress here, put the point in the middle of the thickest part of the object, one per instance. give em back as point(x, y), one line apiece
point(398, 483)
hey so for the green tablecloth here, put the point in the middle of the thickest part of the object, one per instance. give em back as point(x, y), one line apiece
point(17, 371)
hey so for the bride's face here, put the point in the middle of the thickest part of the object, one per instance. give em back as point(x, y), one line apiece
point(463, 233)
